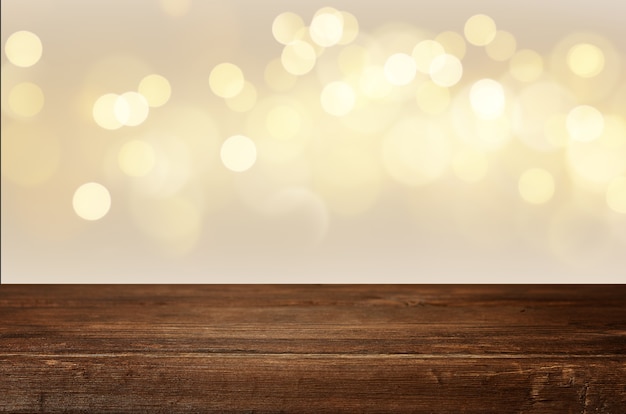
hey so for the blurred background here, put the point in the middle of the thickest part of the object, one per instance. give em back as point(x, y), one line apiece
point(307, 142)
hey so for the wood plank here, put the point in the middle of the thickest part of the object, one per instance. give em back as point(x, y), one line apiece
point(300, 348)
point(310, 383)
point(293, 338)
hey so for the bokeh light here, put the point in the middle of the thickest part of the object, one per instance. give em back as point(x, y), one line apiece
point(131, 109)
point(337, 98)
point(538, 105)
point(286, 26)
point(480, 29)
point(584, 123)
point(356, 137)
point(104, 112)
point(277, 77)
point(589, 64)
point(470, 165)
point(226, 80)
point(298, 58)
point(155, 89)
point(283, 122)
point(91, 201)
point(326, 28)
point(526, 65)
point(536, 186)
point(400, 69)
point(23, 48)
point(446, 70)
point(585, 60)
point(305, 35)
point(479, 133)
point(373, 82)
point(26, 99)
point(453, 43)
point(425, 53)
point(595, 162)
point(487, 98)
point(350, 28)
point(502, 47)
point(136, 158)
point(238, 153)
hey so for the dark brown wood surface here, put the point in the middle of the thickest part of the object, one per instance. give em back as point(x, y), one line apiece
point(306, 348)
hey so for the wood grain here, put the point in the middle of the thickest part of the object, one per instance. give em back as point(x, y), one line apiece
point(304, 348)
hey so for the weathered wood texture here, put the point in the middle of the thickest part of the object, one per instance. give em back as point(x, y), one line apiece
point(302, 348)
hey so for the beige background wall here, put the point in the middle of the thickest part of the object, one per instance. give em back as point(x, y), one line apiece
point(329, 198)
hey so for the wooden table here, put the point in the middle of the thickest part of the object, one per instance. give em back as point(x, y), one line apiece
point(305, 348)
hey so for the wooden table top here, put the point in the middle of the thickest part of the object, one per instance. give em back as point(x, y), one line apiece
point(313, 348)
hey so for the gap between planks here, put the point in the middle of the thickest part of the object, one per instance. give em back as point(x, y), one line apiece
point(313, 355)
